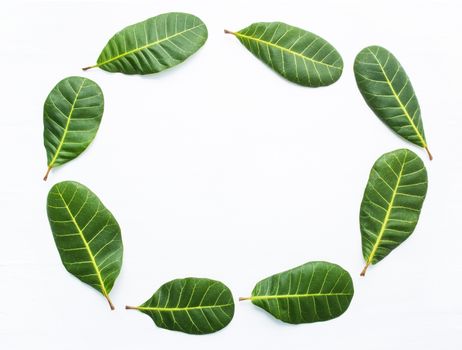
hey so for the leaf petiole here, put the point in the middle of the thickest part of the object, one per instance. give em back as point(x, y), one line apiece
point(89, 67)
point(363, 272)
point(111, 305)
point(47, 173)
point(428, 152)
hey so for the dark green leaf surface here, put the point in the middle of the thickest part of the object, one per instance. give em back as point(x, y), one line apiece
point(86, 234)
point(71, 117)
point(153, 45)
point(315, 291)
point(388, 91)
point(298, 55)
point(190, 305)
point(391, 204)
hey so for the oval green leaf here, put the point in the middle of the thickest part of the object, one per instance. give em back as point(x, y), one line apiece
point(71, 117)
point(313, 292)
point(153, 45)
point(86, 234)
point(392, 202)
point(298, 55)
point(388, 91)
point(190, 305)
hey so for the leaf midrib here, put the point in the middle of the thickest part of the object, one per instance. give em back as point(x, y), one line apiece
point(144, 47)
point(168, 309)
point(68, 123)
point(87, 246)
point(288, 296)
point(286, 49)
point(406, 113)
point(387, 214)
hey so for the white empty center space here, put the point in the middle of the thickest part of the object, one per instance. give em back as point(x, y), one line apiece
point(220, 168)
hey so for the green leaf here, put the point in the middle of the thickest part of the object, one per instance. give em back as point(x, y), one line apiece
point(391, 204)
point(153, 45)
point(388, 91)
point(298, 55)
point(190, 305)
point(315, 291)
point(86, 234)
point(71, 117)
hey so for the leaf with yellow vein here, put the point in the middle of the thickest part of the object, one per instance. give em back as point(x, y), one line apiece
point(389, 93)
point(391, 204)
point(313, 292)
point(153, 45)
point(71, 117)
point(190, 305)
point(298, 55)
point(86, 234)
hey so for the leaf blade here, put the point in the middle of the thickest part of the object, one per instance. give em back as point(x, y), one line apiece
point(72, 114)
point(153, 45)
point(391, 204)
point(86, 234)
point(190, 305)
point(387, 89)
point(313, 292)
point(298, 55)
